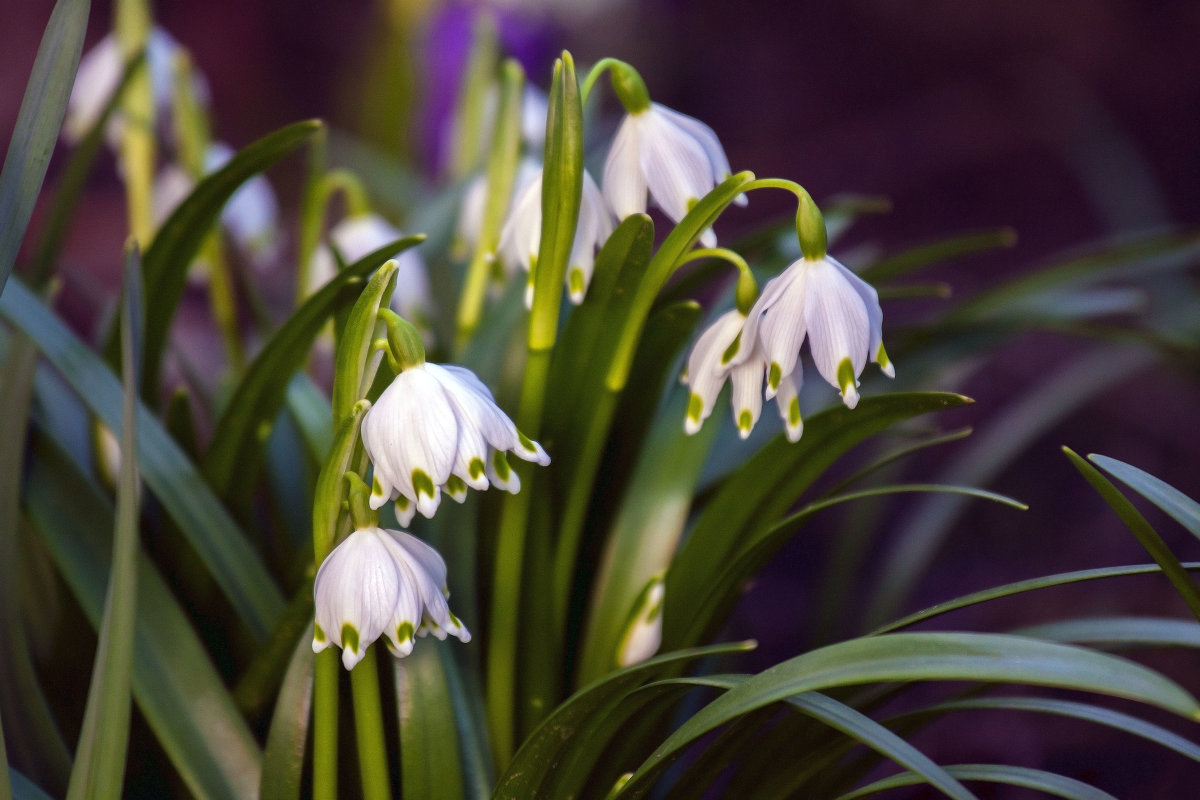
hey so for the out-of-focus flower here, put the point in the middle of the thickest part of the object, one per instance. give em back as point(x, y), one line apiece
point(251, 216)
point(711, 364)
point(474, 202)
point(837, 311)
point(381, 582)
point(522, 233)
point(677, 158)
point(99, 74)
point(437, 427)
point(643, 635)
point(360, 234)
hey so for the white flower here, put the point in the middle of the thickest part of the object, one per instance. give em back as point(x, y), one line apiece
point(437, 427)
point(99, 74)
point(836, 310)
point(474, 202)
point(358, 235)
point(381, 582)
point(522, 234)
point(643, 634)
point(712, 362)
point(676, 157)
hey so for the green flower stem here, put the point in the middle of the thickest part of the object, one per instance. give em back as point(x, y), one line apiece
point(627, 83)
point(473, 96)
point(594, 74)
point(312, 213)
point(747, 287)
point(325, 728)
point(810, 225)
point(368, 728)
point(503, 628)
point(132, 26)
point(361, 513)
point(501, 172)
point(346, 182)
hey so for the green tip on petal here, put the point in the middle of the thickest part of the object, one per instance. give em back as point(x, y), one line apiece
point(422, 483)
point(376, 487)
point(526, 442)
point(732, 350)
point(774, 376)
point(845, 375)
point(695, 407)
point(794, 412)
point(456, 488)
point(476, 468)
point(350, 638)
point(402, 503)
point(745, 422)
point(575, 284)
point(500, 464)
point(404, 632)
point(885, 364)
point(318, 633)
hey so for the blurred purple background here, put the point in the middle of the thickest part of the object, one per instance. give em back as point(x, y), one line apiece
point(1067, 121)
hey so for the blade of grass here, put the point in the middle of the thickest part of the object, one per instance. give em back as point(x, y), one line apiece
point(1175, 503)
point(283, 759)
point(430, 761)
point(1025, 777)
point(1146, 535)
point(38, 123)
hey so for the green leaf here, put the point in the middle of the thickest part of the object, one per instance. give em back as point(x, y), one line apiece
point(1126, 631)
point(168, 473)
point(283, 759)
point(328, 515)
point(859, 727)
point(1178, 505)
point(38, 122)
point(175, 245)
point(430, 765)
point(242, 429)
point(1068, 708)
point(926, 255)
point(23, 788)
point(174, 681)
point(354, 344)
point(923, 656)
point(99, 769)
point(538, 758)
point(759, 493)
point(1019, 587)
point(1146, 535)
point(562, 190)
point(1025, 777)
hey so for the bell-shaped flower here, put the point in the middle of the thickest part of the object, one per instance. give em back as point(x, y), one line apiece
point(677, 158)
point(474, 203)
point(711, 363)
point(522, 234)
point(381, 582)
point(438, 428)
point(823, 301)
point(360, 234)
point(99, 74)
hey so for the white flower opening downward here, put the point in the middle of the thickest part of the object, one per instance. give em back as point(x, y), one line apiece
point(438, 428)
point(837, 311)
point(676, 158)
point(381, 582)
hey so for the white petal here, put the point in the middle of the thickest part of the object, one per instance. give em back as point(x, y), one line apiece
point(783, 328)
point(470, 214)
point(501, 474)
point(476, 407)
point(96, 79)
point(788, 401)
point(705, 371)
point(534, 108)
point(747, 382)
point(358, 235)
point(412, 298)
point(624, 182)
point(769, 297)
point(521, 235)
point(357, 585)
point(705, 136)
point(838, 324)
point(870, 300)
point(171, 186)
point(675, 165)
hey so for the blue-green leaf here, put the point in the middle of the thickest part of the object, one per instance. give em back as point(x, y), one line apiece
point(283, 759)
point(168, 473)
point(1025, 777)
point(430, 762)
point(1178, 505)
point(38, 122)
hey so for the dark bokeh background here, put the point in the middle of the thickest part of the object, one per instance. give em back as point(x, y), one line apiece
point(1069, 121)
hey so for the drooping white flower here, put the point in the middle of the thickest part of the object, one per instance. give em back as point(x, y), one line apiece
point(99, 74)
point(522, 234)
point(381, 582)
point(251, 216)
point(643, 633)
point(677, 158)
point(838, 312)
point(474, 203)
point(711, 363)
point(360, 234)
point(438, 428)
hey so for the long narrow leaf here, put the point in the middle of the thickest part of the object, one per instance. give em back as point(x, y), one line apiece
point(283, 759)
point(184, 232)
point(1178, 505)
point(168, 473)
point(175, 683)
point(430, 759)
point(1126, 631)
point(1146, 535)
point(38, 122)
point(99, 769)
point(923, 656)
point(1025, 777)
